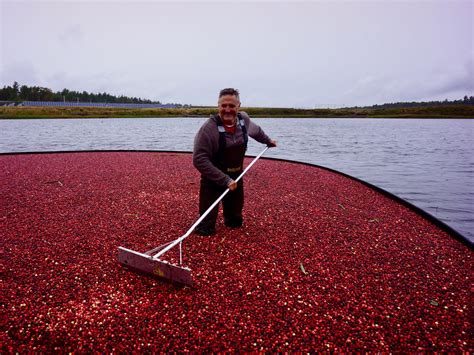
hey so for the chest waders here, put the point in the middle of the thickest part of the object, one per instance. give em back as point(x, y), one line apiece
point(229, 160)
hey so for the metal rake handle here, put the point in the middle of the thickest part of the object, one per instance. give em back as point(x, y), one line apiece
point(180, 239)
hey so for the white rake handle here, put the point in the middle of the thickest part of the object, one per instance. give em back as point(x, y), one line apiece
point(180, 239)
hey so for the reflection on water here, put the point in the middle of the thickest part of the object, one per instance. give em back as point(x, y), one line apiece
point(427, 162)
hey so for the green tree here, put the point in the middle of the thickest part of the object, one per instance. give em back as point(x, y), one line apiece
point(25, 93)
point(16, 91)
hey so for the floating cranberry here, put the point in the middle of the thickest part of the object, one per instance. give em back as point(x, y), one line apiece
point(323, 263)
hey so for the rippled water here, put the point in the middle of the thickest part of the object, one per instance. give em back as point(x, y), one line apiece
point(429, 162)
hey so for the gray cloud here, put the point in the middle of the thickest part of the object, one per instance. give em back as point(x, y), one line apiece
point(278, 53)
point(24, 72)
point(71, 35)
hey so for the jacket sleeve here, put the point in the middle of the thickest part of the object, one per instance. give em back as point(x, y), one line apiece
point(206, 144)
point(254, 130)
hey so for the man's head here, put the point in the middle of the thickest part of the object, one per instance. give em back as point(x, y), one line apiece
point(229, 103)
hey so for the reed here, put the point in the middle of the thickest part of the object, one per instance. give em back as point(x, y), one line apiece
point(460, 111)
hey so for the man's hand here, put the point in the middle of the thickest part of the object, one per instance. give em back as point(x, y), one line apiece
point(232, 185)
point(272, 144)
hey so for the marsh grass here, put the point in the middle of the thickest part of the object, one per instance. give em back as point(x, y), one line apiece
point(461, 111)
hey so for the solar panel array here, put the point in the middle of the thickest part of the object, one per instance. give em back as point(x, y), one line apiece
point(95, 104)
point(7, 103)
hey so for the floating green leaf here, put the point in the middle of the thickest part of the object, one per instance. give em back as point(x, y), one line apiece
point(302, 269)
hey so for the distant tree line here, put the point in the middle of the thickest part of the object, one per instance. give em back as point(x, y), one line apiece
point(465, 101)
point(37, 93)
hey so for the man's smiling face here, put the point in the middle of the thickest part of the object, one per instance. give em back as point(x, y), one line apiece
point(228, 108)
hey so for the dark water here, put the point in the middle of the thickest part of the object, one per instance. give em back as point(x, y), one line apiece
point(429, 162)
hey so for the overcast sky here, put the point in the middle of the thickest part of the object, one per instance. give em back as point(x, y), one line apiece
point(277, 53)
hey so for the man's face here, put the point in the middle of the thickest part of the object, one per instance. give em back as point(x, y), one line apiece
point(228, 108)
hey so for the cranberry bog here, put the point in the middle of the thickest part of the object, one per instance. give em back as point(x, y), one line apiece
point(324, 262)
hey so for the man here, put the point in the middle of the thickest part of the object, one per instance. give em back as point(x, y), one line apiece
point(219, 150)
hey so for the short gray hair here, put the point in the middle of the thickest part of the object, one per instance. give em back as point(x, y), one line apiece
point(229, 91)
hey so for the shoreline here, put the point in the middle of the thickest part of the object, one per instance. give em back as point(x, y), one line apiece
point(435, 112)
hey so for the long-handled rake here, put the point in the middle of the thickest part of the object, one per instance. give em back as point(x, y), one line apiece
point(150, 263)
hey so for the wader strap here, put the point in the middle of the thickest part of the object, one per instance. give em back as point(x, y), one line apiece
point(244, 130)
point(222, 143)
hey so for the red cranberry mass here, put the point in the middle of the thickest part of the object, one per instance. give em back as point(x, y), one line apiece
point(323, 263)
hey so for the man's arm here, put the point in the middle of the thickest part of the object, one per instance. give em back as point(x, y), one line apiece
point(256, 132)
point(206, 144)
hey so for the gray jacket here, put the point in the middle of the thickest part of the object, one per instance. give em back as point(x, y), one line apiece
point(206, 145)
